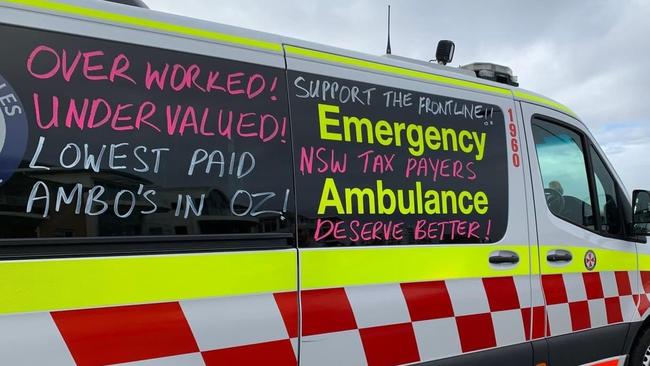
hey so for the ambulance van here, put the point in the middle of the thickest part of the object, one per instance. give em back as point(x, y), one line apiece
point(178, 192)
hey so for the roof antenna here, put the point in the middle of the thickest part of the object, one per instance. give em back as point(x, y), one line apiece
point(388, 44)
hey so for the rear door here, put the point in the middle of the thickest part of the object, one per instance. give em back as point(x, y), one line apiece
point(146, 196)
point(412, 239)
point(588, 266)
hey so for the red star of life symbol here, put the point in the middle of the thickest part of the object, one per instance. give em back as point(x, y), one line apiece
point(590, 260)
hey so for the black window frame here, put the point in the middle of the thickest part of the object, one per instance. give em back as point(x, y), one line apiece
point(586, 144)
point(622, 201)
point(46, 248)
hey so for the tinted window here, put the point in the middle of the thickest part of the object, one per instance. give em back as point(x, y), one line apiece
point(378, 165)
point(609, 209)
point(102, 138)
point(564, 172)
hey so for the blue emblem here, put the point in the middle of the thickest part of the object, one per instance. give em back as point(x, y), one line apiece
point(13, 130)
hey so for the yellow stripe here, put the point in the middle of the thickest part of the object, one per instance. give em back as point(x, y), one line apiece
point(544, 101)
point(370, 65)
point(41, 285)
point(606, 260)
point(45, 285)
point(323, 268)
point(122, 19)
point(335, 267)
point(644, 262)
point(534, 258)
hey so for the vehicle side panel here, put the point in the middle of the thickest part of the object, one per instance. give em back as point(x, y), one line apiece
point(400, 300)
point(583, 304)
point(149, 286)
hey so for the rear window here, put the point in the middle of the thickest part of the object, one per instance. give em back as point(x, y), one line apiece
point(101, 138)
point(377, 165)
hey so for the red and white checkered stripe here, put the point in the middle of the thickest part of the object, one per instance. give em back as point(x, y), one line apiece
point(411, 322)
point(244, 330)
point(579, 301)
point(643, 299)
point(32, 339)
point(376, 325)
point(403, 323)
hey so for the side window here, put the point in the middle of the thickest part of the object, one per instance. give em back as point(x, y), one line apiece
point(609, 210)
point(564, 173)
point(379, 165)
point(105, 138)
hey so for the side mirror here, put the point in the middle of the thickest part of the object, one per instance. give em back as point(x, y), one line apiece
point(641, 212)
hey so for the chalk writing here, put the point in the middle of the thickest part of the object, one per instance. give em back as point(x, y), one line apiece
point(332, 91)
point(254, 204)
point(133, 140)
point(97, 201)
point(244, 164)
point(53, 62)
point(327, 160)
point(377, 163)
point(172, 120)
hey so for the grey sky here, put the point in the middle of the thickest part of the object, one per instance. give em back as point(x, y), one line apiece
point(593, 56)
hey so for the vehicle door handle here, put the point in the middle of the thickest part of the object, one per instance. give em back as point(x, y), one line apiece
point(504, 256)
point(559, 255)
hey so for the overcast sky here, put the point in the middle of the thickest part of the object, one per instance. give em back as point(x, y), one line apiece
point(593, 56)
